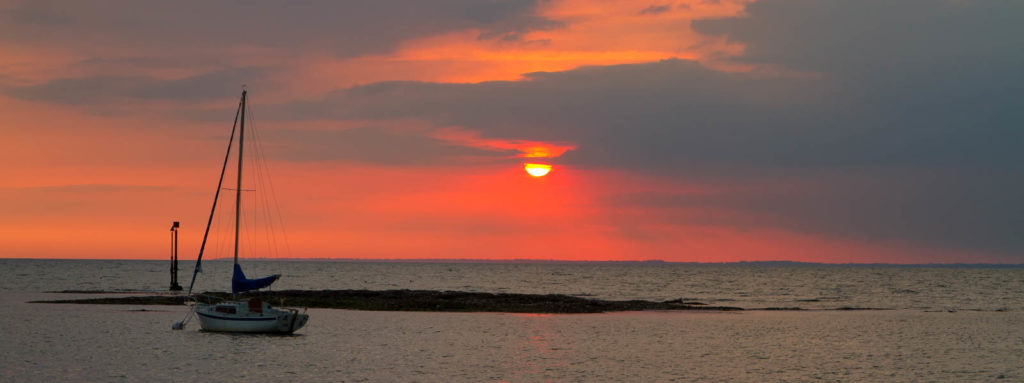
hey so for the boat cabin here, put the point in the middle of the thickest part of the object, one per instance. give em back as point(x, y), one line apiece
point(254, 306)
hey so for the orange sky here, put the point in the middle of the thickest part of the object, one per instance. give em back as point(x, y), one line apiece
point(103, 178)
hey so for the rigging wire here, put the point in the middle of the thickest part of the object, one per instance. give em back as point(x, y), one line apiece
point(256, 214)
point(262, 172)
point(271, 195)
point(254, 174)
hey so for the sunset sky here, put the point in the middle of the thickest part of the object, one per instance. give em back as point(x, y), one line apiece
point(703, 130)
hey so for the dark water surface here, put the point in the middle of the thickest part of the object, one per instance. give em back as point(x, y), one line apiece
point(946, 324)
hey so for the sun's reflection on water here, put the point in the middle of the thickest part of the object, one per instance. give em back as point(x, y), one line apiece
point(540, 350)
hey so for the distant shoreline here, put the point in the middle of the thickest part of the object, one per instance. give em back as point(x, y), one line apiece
point(652, 262)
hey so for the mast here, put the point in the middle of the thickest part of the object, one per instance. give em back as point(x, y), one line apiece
point(238, 186)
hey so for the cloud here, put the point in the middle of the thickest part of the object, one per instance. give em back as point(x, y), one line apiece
point(940, 209)
point(864, 38)
point(110, 89)
point(897, 122)
point(655, 9)
point(346, 29)
point(678, 116)
point(673, 115)
point(921, 82)
point(317, 46)
point(373, 144)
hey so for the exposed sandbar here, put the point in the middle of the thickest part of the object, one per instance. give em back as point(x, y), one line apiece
point(420, 300)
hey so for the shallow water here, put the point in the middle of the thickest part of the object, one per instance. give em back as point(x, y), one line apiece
point(48, 342)
point(51, 342)
point(744, 286)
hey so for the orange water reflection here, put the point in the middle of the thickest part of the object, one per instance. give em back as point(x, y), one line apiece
point(540, 350)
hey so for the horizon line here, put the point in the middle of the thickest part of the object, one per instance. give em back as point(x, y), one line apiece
point(546, 261)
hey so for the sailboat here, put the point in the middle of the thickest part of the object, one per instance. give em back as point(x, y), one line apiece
point(252, 315)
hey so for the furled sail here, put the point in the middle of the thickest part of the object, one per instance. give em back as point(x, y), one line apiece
point(240, 283)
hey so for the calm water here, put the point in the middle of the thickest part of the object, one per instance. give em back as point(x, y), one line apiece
point(946, 325)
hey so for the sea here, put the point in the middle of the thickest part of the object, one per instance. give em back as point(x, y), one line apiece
point(857, 323)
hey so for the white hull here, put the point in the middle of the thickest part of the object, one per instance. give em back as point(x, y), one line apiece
point(268, 320)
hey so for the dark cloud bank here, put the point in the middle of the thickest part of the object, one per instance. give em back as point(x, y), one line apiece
point(181, 34)
point(901, 120)
point(343, 28)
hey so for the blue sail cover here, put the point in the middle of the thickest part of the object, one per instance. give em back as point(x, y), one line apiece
point(240, 283)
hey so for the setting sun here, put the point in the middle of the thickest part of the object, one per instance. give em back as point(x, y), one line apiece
point(537, 170)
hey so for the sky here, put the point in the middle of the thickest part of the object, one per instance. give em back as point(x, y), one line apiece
point(691, 130)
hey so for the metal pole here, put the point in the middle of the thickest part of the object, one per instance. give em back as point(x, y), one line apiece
point(176, 260)
point(174, 257)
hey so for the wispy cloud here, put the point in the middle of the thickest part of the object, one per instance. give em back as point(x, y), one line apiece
point(656, 9)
